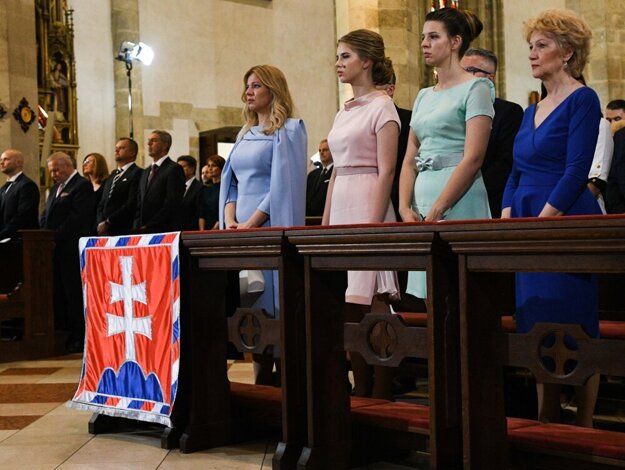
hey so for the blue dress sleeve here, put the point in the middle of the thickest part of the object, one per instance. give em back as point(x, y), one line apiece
point(583, 131)
point(515, 174)
point(286, 201)
point(511, 185)
point(228, 189)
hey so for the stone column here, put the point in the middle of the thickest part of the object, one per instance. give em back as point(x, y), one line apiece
point(18, 79)
point(607, 58)
point(125, 27)
point(351, 15)
point(400, 26)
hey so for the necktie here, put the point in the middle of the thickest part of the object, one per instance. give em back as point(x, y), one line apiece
point(117, 174)
point(7, 186)
point(3, 192)
point(59, 190)
point(153, 172)
point(323, 175)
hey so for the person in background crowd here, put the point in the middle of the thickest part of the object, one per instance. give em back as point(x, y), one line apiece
point(402, 142)
point(553, 152)
point(161, 188)
point(19, 197)
point(615, 111)
point(193, 190)
point(70, 212)
point(615, 187)
point(508, 116)
point(318, 180)
point(209, 199)
point(205, 176)
point(118, 204)
point(95, 169)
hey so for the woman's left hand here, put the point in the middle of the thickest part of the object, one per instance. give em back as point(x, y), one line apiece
point(436, 214)
point(246, 224)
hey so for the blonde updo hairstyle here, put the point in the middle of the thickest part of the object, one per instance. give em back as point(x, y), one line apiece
point(370, 45)
point(281, 102)
point(463, 23)
point(570, 32)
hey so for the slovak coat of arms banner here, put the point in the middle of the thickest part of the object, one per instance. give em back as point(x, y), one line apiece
point(131, 291)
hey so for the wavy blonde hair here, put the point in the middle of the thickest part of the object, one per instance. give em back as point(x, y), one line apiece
point(281, 101)
point(568, 30)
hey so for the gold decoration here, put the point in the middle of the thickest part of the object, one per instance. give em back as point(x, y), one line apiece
point(24, 115)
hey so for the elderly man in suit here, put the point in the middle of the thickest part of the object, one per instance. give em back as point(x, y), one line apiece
point(70, 212)
point(508, 116)
point(192, 193)
point(19, 197)
point(161, 189)
point(116, 210)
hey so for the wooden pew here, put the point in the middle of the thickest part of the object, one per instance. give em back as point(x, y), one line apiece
point(206, 419)
point(330, 251)
point(26, 284)
point(486, 251)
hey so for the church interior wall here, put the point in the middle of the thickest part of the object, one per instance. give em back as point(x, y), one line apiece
point(94, 77)
point(519, 80)
point(18, 79)
point(203, 51)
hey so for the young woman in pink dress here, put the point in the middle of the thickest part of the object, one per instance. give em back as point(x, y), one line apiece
point(363, 142)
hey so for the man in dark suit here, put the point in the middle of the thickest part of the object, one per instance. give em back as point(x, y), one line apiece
point(318, 181)
point(192, 193)
point(402, 142)
point(19, 197)
point(70, 212)
point(116, 210)
point(508, 117)
point(161, 188)
point(615, 192)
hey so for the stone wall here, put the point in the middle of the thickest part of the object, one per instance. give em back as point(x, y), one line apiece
point(18, 78)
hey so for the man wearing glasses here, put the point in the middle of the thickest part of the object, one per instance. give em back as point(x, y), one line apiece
point(508, 116)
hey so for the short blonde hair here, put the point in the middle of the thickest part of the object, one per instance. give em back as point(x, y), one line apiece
point(568, 30)
point(281, 103)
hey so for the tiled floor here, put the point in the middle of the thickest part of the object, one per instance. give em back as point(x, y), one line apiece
point(38, 432)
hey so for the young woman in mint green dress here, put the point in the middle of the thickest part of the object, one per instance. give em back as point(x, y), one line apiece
point(450, 126)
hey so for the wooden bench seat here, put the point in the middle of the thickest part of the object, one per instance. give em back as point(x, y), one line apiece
point(607, 328)
point(382, 340)
point(491, 252)
point(553, 437)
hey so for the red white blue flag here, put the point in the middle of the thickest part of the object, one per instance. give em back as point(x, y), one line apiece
point(131, 291)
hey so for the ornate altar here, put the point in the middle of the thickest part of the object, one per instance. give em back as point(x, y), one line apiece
point(56, 77)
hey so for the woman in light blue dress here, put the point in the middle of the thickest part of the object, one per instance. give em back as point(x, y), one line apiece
point(450, 127)
point(264, 179)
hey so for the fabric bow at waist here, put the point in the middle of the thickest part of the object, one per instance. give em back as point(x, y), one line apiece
point(438, 162)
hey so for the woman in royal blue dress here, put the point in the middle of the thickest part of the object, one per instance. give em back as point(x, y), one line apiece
point(553, 152)
point(264, 179)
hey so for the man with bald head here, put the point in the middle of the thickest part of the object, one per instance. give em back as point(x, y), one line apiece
point(70, 212)
point(19, 197)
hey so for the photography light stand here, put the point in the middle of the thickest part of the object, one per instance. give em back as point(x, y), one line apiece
point(128, 52)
